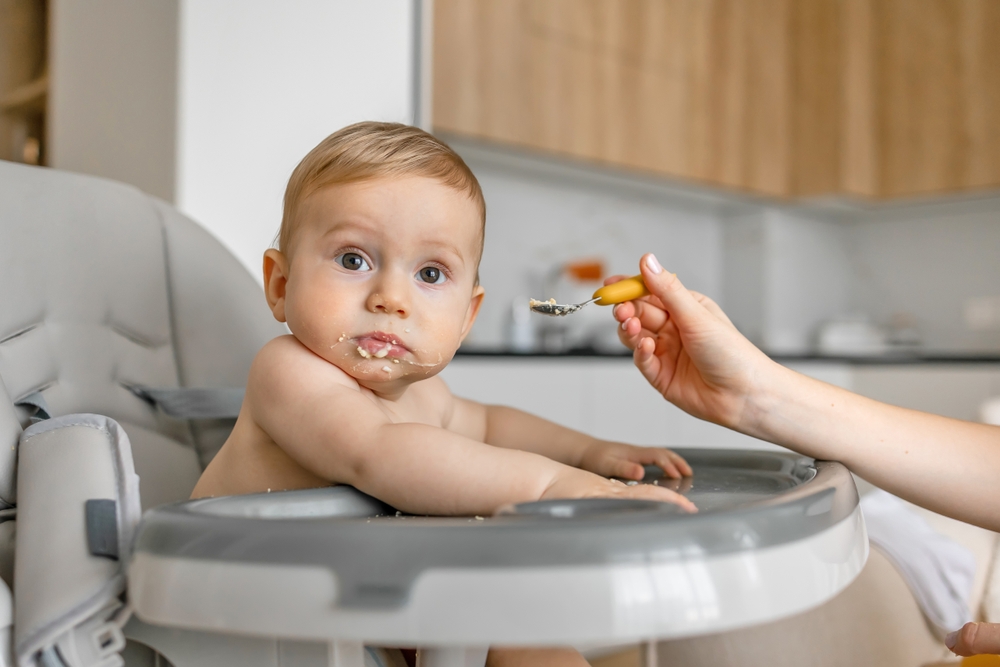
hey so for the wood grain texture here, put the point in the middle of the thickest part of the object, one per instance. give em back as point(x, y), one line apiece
point(697, 89)
point(817, 102)
point(858, 137)
point(22, 60)
point(781, 97)
point(940, 69)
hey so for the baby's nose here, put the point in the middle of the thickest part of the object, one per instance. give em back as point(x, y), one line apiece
point(389, 304)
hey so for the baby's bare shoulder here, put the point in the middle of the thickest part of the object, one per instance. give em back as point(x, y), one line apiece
point(286, 365)
point(434, 397)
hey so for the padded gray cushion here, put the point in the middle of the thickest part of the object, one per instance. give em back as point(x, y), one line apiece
point(104, 288)
point(10, 433)
point(85, 306)
point(153, 454)
point(220, 317)
point(65, 594)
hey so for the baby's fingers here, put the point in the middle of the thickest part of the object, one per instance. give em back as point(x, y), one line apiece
point(675, 461)
point(659, 494)
point(625, 469)
point(666, 463)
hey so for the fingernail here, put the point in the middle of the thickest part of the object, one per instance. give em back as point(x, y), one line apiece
point(652, 264)
point(951, 639)
point(624, 324)
point(614, 309)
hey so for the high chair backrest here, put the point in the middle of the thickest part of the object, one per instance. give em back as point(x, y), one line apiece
point(10, 433)
point(106, 289)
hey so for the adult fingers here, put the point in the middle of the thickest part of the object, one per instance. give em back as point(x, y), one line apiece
point(647, 310)
point(614, 279)
point(975, 639)
point(676, 299)
point(632, 331)
point(646, 361)
point(711, 306)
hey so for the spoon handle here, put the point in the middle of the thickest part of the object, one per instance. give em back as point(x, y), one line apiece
point(623, 290)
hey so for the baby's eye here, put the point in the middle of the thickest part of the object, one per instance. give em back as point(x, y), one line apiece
point(432, 275)
point(352, 261)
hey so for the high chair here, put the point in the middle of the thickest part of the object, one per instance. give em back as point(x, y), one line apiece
point(126, 332)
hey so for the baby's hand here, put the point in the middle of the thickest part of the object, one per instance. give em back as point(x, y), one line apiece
point(574, 483)
point(616, 459)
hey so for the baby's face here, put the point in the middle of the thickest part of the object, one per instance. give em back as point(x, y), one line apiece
point(381, 281)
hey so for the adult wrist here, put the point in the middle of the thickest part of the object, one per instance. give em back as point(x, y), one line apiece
point(768, 393)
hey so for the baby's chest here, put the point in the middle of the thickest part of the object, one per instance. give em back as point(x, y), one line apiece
point(414, 414)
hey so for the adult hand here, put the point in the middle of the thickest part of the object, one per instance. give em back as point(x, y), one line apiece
point(688, 349)
point(975, 639)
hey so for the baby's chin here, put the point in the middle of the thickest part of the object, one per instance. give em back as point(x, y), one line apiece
point(369, 370)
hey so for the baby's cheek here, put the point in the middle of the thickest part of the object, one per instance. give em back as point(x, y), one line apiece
point(445, 331)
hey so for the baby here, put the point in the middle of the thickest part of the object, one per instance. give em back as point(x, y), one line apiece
point(376, 275)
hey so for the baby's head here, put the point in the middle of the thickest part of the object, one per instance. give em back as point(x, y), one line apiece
point(377, 263)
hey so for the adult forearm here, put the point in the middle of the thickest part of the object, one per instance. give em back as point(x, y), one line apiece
point(946, 465)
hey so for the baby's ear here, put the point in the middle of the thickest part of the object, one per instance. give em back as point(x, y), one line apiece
point(478, 293)
point(275, 279)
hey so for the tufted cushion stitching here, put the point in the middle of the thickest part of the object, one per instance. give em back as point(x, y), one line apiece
point(37, 390)
point(181, 380)
point(171, 317)
point(136, 338)
point(22, 331)
point(45, 365)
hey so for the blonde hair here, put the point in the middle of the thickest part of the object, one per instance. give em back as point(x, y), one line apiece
point(370, 150)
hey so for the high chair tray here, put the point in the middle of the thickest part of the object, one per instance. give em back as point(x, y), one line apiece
point(776, 534)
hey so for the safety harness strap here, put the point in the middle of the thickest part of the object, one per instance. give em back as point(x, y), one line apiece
point(193, 403)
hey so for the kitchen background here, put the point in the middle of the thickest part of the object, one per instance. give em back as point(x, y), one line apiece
point(828, 171)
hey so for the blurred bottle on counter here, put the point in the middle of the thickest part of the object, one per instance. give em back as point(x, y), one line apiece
point(522, 332)
point(852, 335)
point(904, 332)
point(591, 328)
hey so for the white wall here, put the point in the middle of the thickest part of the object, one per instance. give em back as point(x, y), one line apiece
point(541, 214)
point(807, 279)
point(780, 271)
point(927, 261)
point(112, 91)
point(606, 398)
point(262, 82)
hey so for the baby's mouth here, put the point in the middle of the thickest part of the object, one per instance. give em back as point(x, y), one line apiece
point(379, 345)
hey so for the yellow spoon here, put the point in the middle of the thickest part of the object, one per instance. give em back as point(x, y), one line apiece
point(619, 292)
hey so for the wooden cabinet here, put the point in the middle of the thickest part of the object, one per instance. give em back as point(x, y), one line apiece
point(788, 98)
point(23, 80)
point(922, 86)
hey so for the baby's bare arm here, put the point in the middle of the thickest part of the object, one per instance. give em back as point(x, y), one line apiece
point(341, 435)
point(514, 429)
point(510, 428)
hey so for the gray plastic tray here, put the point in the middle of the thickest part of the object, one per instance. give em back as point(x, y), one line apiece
point(747, 500)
